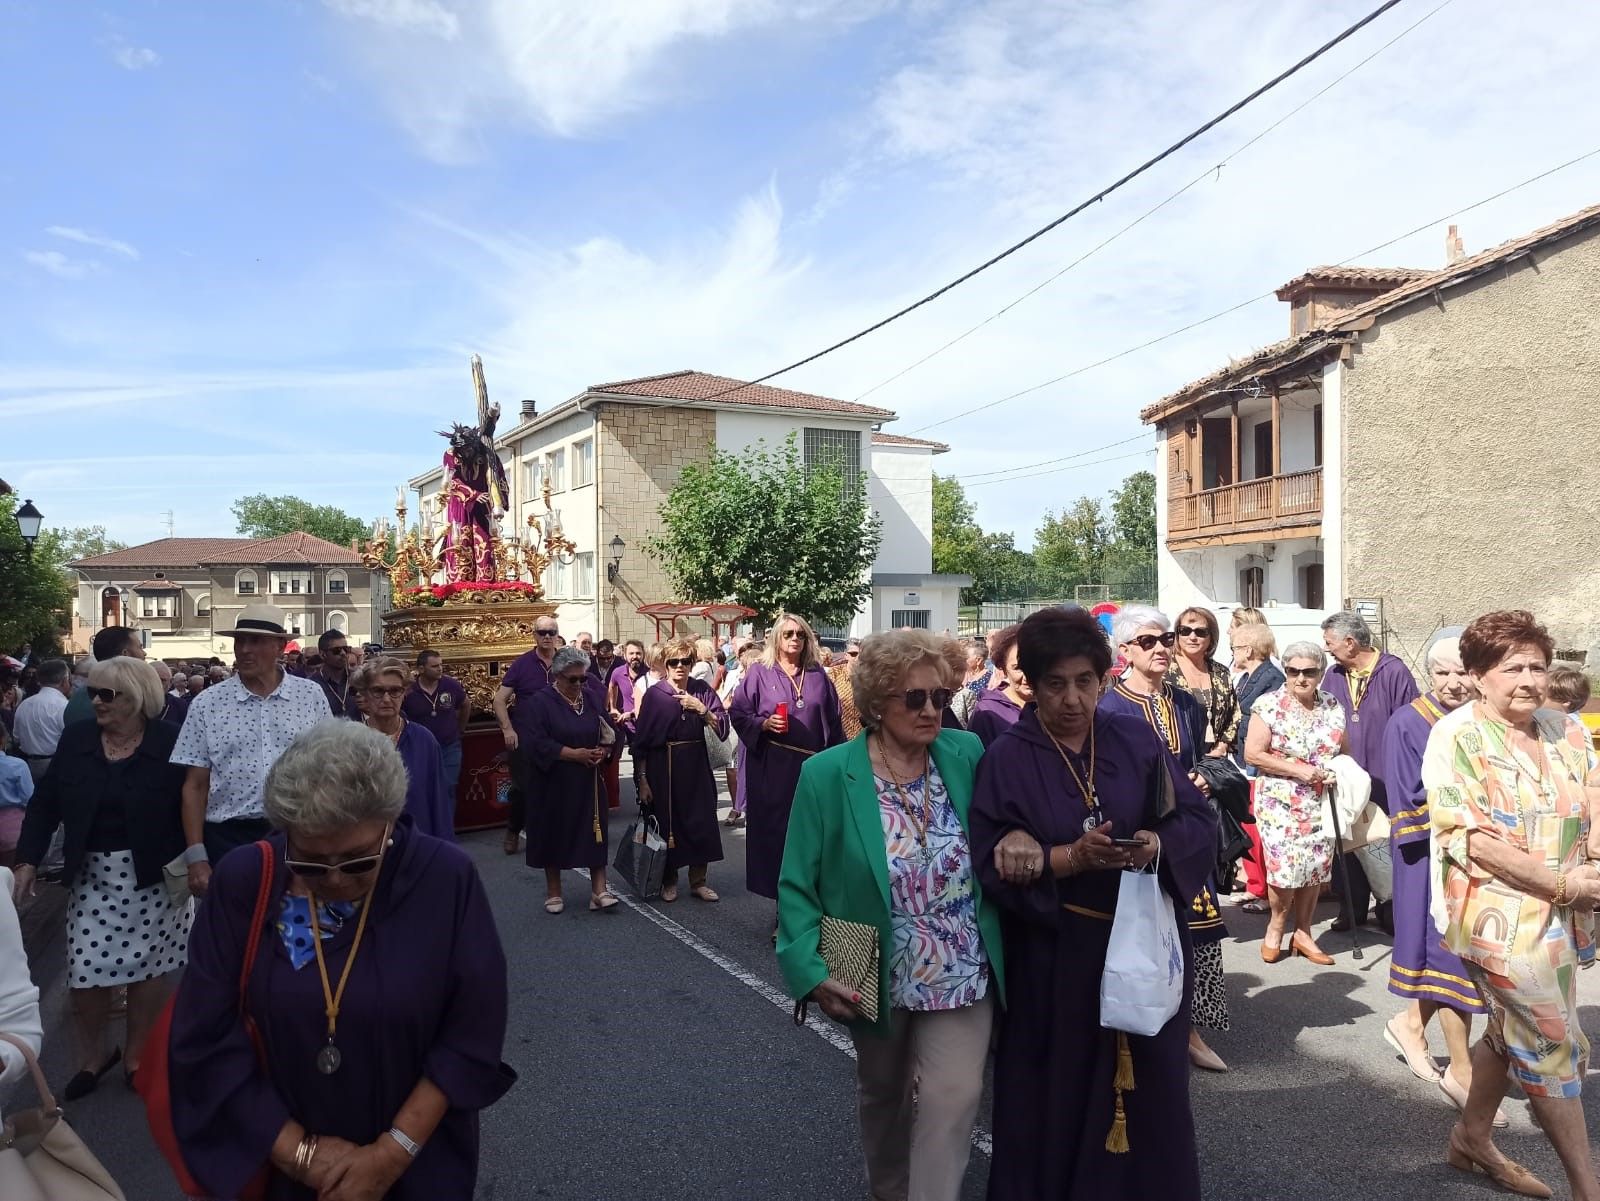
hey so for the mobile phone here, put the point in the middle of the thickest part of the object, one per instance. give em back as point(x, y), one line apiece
point(1130, 844)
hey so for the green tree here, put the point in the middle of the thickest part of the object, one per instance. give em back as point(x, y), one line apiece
point(761, 530)
point(1133, 518)
point(263, 516)
point(957, 537)
point(68, 545)
point(35, 594)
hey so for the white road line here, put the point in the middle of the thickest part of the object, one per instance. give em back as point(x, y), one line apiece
point(824, 1029)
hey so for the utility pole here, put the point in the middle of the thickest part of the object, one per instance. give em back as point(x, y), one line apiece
point(171, 522)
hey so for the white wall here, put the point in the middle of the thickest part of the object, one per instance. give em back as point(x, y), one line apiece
point(900, 491)
point(943, 605)
point(1209, 576)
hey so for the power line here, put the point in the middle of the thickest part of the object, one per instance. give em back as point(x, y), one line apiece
point(1183, 329)
point(1062, 459)
point(1095, 199)
point(1208, 173)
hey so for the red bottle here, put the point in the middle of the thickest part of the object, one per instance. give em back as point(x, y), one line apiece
point(782, 714)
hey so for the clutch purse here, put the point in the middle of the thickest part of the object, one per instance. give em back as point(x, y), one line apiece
point(1160, 798)
point(850, 951)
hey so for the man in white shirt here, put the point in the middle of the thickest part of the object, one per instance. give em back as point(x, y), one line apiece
point(232, 736)
point(41, 717)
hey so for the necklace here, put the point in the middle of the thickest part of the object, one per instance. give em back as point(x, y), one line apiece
point(919, 816)
point(120, 748)
point(796, 682)
point(578, 708)
point(329, 1059)
point(1160, 711)
point(395, 737)
point(1091, 801)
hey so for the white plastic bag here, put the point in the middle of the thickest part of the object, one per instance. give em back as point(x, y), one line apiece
point(1142, 986)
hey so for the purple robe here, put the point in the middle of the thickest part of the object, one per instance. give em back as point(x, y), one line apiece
point(426, 998)
point(341, 697)
point(772, 762)
point(1054, 1066)
point(1420, 968)
point(427, 798)
point(527, 676)
point(567, 811)
point(440, 713)
point(1390, 689)
point(993, 712)
point(672, 751)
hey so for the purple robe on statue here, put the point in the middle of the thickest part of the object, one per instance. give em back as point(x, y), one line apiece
point(1054, 1099)
point(672, 749)
point(426, 998)
point(993, 713)
point(1390, 689)
point(772, 762)
point(427, 798)
point(567, 810)
point(1420, 968)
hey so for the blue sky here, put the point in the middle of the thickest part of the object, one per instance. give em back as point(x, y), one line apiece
point(251, 247)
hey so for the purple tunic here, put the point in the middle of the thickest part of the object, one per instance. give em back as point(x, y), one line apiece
point(439, 714)
point(1420, 969)
point(673, 753)
point(526, 677)
point(341, 697)
point(426, 998)
point(1053, 1093)
point(1390, 689)
point(772, 762)
point(993, 712)
point(427, 798)
point(567, 813)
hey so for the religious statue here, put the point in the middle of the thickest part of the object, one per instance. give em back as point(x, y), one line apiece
point(475, 493)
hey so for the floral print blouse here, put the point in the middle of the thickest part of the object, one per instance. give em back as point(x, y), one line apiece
point(936, 958)
point(1220, 701)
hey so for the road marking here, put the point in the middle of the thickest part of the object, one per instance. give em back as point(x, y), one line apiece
point(823, 1028)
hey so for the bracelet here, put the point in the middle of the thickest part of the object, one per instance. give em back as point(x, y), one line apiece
point(407, 1144)
point(1561, 890)
point(304, 1154)
point(1072, 859)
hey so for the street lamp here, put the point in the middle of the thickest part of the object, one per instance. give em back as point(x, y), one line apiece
point(614, 568)
point(29, 521)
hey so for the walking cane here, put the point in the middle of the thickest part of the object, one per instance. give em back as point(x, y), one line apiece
point(1344, 873)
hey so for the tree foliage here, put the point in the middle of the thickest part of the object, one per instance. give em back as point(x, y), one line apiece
point(68, 545)
point(761, 530)
point(263, 516)
point(35, 594)
point(1133, 517)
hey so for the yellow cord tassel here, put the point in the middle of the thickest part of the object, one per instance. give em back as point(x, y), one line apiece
point(1122, 1082)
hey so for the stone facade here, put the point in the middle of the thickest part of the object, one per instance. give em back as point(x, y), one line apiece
point(641, 449)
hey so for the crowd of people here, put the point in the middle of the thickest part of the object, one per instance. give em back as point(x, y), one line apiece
point(975, 807)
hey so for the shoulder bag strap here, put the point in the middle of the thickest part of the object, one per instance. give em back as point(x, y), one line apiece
point(39, 1082)
point(252, 948)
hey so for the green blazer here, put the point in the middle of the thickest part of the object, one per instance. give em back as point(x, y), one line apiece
point(835, 861)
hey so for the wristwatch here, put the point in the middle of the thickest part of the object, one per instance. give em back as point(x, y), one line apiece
point(407, 1144)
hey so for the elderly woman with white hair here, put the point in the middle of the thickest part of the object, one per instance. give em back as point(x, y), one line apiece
point(369, 1030)
point(112, 787)
point(1296, 734)
point(1421, 970)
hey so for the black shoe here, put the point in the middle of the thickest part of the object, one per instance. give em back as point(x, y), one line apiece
point(1341, 924)
point(85, 1081)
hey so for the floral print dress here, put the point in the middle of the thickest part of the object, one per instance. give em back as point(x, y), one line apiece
point(936, 958)
point(1297, 848)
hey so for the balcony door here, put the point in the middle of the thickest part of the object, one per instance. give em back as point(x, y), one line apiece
point(1216, 452)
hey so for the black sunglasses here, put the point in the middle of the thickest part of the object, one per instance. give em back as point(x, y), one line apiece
point(1193, 632)
point(335, 650)
point(1147, 642)
point(104, 695)
point(917, 698)
point(547, 633)
point(1304, 673)
point(800, 634)
point(680, 662)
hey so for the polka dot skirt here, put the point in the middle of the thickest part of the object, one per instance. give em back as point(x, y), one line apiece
point(119, 933)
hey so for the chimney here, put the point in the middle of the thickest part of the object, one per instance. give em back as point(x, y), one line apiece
point(529, 408)
point(1454, 250)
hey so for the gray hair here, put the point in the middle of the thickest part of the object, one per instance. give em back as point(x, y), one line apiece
point(334, 775)
point(163, 672)
point(1134, 618)
point(82, 666)
point(53, 673)
point(1347, 623)
point(1306, 650)
point(567, 656)
point(135, 678)
point(1446, 642)
point(369, 673)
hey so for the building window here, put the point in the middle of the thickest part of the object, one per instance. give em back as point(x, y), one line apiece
point(1311, 586)
point(338, 583)
point(299, 623)
point(244, 583)
point(1252, 587)
point(583, 574)
point(907, 619)
point(1263, 450)
point(583, 463)
point(533, 478)
point(155, 606)
point(202, 605)
point(839, 449)
point(1316, 435)
point(338, 621)
point(555, 580)
point(291, 583)
point(555, 465)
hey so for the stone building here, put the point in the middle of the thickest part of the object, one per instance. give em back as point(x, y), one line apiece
point(613, 454)
point(182, 590)
point(1423, 445)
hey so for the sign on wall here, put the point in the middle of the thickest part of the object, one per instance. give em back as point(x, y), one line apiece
point(913, 600)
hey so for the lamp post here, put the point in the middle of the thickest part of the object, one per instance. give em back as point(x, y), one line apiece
point(614, 568)
point(29, 522)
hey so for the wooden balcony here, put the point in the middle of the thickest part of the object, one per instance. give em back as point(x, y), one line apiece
point(1282, 505)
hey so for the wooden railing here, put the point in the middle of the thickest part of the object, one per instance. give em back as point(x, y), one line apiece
point(1274, 502)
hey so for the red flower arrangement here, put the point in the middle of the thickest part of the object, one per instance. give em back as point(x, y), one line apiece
point(437, 594)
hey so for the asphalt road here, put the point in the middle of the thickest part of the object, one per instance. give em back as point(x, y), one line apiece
point(657, 1059)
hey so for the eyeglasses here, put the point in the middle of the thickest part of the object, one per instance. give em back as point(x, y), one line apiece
point(572, 681)
point(1193, 632)
point(916, 699)
point(335, 650)
point(1147, 642)
point(680, 662)
point(852, 654)
point(800, 634)
point(104, 695)
point(391, 693)
point(546, 633)
point(1303, 673)
point(358, 866)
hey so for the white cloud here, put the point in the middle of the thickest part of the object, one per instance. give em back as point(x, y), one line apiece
point(85, 238)
point(407, 16)
point(60, 265)
point(133, 58)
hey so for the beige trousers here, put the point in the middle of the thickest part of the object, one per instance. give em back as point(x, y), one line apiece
point(918, 1096)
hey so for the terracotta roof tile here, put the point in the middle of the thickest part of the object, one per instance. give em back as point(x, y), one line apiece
point(290, 548)
point(698, 385)
point(1358, 277)
point(197, 552)
point(163, 552)
point(1340, 325)
point(938, 448)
